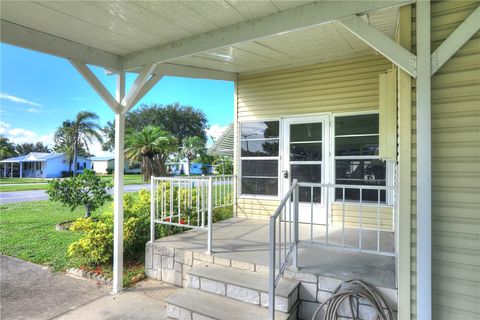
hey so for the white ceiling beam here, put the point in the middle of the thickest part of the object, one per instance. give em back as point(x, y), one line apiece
point(401, 57)
point(277, 23)
point(136, 87)
point(25, 37)
point(176, 70)
point(144, 90)
point(92, 79)
point(456, 40)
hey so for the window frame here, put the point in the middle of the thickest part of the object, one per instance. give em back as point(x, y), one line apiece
point(389, 165)
point(277, 158)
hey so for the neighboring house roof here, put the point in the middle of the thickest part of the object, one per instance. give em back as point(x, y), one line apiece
point(36, 157)
point(223, 146)
point(107, 158)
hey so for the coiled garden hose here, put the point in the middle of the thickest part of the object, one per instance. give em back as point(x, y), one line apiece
point(350, 292)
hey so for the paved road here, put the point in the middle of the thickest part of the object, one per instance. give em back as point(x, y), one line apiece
point(39, 195)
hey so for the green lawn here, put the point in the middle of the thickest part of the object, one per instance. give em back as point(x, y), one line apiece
point(7, 184)
point(127, 179)
point(28, 232)
point(33, 186)
point(22, 180)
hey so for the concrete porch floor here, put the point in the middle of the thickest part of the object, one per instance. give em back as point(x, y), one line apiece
point(246, 240)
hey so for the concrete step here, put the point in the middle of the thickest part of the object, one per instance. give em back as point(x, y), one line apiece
point(199, 305)
point(246, 286)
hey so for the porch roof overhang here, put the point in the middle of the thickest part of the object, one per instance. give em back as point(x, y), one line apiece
point(213, 39)
point(218, 40)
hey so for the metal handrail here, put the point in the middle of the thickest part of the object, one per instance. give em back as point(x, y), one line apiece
point(390, 202)
point(194, 196)
point(290, 247)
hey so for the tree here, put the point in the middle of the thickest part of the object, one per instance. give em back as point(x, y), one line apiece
point(152, 147)
point(224, 165)
point(85, 128)
point(86, 189)
point(26, 148)
point(7, 148)
point(192, 148)
point(180, 121)
point(73, 137)
point(64, 143)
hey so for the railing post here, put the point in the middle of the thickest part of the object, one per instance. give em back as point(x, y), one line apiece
point(271, 273)
point(234, 194)
point(295, 225)
point(152, 209)
point(210, 214)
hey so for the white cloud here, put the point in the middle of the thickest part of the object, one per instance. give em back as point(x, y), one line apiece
point(6, 96)
point(96, 149)
point(20, 135)
point(216, 131)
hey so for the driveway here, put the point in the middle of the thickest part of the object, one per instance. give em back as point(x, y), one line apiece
point(39, 195)
point(31, 291)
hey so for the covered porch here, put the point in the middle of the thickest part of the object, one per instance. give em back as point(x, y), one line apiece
point(225, 40)
point(247, 240)
point(20, 168)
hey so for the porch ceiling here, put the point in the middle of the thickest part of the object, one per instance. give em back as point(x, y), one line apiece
point(116, 30)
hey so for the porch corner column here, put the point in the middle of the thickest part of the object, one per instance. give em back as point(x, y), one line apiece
point(118, 190)
point(21, 169)
point(4, 170)
point(424, 163)
point(11, 170)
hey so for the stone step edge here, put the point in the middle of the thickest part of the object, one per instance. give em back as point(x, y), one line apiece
point(245, 295)
point(241, 272)
point(186, 296)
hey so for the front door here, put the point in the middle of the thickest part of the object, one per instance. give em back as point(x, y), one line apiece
point(305, 158)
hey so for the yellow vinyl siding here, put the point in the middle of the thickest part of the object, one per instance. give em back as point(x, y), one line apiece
point(369, 216)
point(256, 208)
point(349, 85)
point(455, 172)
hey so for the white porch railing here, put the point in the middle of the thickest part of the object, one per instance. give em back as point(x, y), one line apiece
point(347, 210)
point(189, 201)
point(283, 241)
point(350, 210)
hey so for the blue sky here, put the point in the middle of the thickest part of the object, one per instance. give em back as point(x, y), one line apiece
point(39, 91)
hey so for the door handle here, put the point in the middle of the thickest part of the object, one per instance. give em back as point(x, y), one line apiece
point(285, 174)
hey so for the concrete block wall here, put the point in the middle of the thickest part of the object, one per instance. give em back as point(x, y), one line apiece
point(172, 265)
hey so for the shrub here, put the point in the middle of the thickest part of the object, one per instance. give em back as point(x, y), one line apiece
point(95, 247)
point(86, 189)
point(109, 170)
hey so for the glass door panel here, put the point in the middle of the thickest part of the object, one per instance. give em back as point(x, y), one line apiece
point(304, 151)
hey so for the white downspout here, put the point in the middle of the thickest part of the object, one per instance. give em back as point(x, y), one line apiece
point(424, 163)
point(118, 190)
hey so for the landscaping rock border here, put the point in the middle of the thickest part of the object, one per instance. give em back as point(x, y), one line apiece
point(89, 275)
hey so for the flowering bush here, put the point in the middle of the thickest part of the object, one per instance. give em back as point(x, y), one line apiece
point(95, 247)
point(96, 244)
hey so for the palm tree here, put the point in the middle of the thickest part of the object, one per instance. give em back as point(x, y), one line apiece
point(192, 148)
point(64, 142)
point(152, 146)
point(84, 129)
